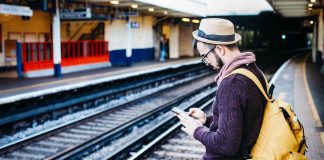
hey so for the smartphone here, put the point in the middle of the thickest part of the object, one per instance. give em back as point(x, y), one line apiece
point(180, 112)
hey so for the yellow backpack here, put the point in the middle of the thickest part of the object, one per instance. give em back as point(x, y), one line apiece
point(282, 135)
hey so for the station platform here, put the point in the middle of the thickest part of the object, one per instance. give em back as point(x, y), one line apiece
point(14, 89)
point(300, 83)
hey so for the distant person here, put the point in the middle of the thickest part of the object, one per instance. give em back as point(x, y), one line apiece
point(163, 48)
point(235, 123)
point(167, 48)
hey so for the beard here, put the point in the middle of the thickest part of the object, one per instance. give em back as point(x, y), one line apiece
point(219, 62)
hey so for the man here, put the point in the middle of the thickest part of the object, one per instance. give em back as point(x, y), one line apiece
point(233, 128)
point(163, 48)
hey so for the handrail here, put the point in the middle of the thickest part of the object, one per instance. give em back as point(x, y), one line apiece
point(39, 55)
point(76, 32)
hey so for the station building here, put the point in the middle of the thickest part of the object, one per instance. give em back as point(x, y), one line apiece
point(40, 39)
point(92, 34)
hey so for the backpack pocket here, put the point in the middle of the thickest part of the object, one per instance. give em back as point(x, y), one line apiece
point(297, 156)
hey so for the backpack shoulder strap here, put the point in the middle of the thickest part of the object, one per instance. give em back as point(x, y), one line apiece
point(255, 80)
point(265, 79)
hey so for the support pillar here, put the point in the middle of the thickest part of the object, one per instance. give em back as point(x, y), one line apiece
point(319, 54)
point(314, 44)
point(174, 41)
point(129, 43)
point(320, 34)
point(185, 40)
point(57, 41)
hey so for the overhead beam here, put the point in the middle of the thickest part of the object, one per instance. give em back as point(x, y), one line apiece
point(290, 3)
point(291, 7)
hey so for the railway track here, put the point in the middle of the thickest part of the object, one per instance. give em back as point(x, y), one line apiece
point(173, 144)
point(146, 138)
point(80, 138)
point(52, 113)
point(167, 142)
point(20, 115)
point(63, 141)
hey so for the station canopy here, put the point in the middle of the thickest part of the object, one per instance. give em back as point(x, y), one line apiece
point(237, 7)
point(175, 8)
point(296, 8)
point(107, 9)
point(192, 8)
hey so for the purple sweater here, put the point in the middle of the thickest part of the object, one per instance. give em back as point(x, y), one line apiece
point(237, 117)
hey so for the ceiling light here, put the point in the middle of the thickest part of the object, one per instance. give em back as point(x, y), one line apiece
point(114, 2)
point(283, 36)
point(134, 6)
point(186, 19)
point(311, 22)
point(165, 12)
point(195, 21)
point(310, 5)
point(151, 9)
point(313, 1)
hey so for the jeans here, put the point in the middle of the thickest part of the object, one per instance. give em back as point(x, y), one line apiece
point(162, 55)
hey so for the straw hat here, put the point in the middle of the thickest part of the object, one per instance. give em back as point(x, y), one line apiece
point(216, 31)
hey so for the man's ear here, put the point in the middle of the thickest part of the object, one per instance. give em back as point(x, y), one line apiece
point(220, 50)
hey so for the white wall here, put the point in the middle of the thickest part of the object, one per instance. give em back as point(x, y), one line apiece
point(116, 33)
point(143, 37)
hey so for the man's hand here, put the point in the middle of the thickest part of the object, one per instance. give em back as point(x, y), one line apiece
point(198, 113)
point(190, 124)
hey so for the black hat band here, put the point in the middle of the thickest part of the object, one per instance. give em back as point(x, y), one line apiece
point(213, 37)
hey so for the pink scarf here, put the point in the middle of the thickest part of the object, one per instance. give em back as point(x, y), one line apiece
point(238, 60)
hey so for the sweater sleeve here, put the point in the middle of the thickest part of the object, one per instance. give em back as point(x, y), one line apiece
point(227, 138)
point(209, 119)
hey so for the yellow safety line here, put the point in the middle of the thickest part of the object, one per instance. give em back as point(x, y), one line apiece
point(99, 75)
point(311, 101)
point(44, 84)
